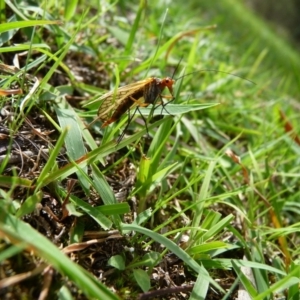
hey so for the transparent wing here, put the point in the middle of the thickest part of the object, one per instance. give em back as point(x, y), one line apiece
point(112, 99)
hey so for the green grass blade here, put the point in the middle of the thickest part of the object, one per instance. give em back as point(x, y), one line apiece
point(245, 281)
point(170, 245)
point(51, 161)
point(20, 232)
point(22, 24)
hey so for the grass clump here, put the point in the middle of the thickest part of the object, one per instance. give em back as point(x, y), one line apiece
point(200, 202)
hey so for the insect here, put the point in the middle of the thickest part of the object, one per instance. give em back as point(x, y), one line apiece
point(138, 94)
point(135, 95)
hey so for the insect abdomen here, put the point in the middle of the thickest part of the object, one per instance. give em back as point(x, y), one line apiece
point(123, 107)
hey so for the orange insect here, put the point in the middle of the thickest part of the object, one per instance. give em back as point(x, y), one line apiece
point(135, 95)
point(138, 94)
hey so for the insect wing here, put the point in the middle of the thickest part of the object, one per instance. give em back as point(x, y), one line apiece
point(112, 99)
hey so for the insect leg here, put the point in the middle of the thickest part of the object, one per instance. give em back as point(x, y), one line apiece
point(127, 125)
point(162, 104)
point(88, 126)
point(145, 121)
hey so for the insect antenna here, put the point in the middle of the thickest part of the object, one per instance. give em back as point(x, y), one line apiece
point(173, 98)
point(175, 70)
point(161, 103)
point(164, 104)
point(204, 70)
point(215, 70)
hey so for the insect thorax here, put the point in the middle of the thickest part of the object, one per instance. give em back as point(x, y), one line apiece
point(153, 90)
